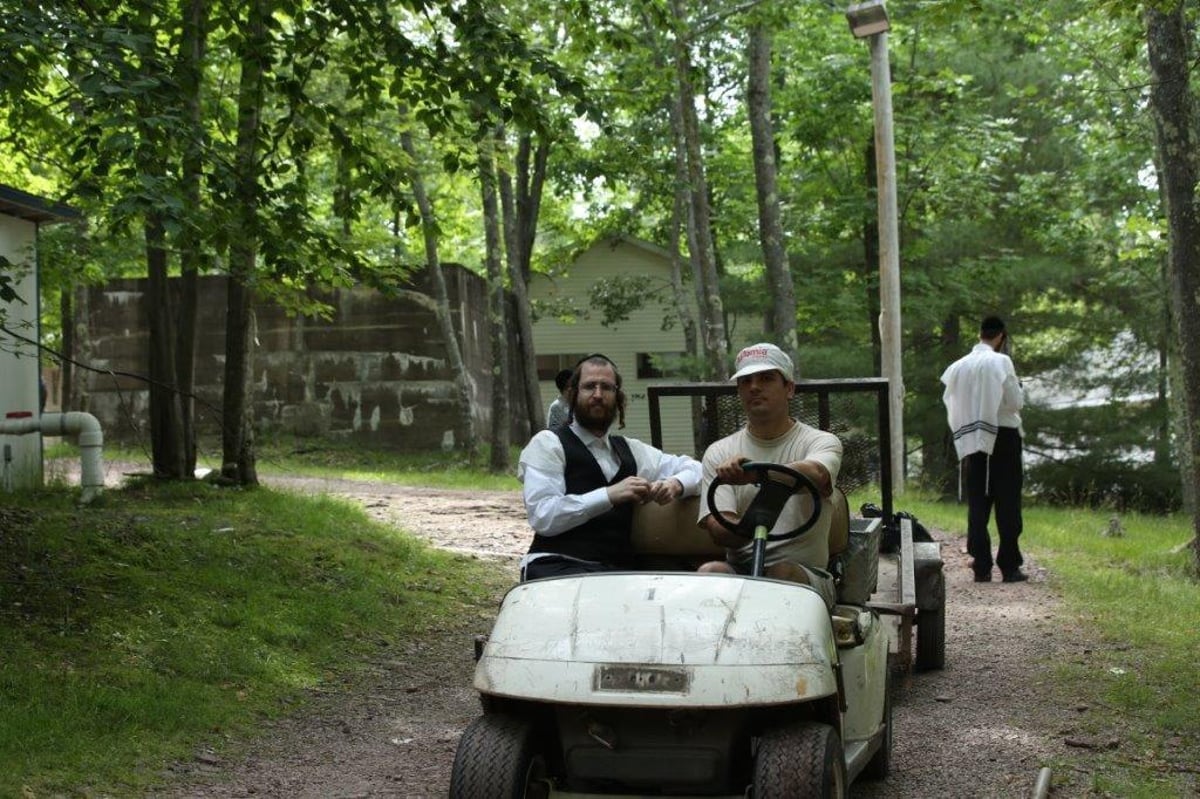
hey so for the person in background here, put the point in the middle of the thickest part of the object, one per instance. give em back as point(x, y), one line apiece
point(766, 384)
point(983, 399)
point(560, 409)
point(580, 483)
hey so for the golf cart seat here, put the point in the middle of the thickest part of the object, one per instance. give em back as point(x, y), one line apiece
point(667, 536)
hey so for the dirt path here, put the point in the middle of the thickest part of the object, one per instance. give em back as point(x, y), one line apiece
point(981, 728)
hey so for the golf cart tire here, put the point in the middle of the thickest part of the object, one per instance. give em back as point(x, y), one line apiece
point(931, 636)
point(497, 757)
point(880, 764)
point(800, 760)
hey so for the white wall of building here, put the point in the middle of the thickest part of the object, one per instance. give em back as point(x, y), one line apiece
point(20, 456)
point(642, 333)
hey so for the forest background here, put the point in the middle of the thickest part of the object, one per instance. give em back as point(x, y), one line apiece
point(1045, 172)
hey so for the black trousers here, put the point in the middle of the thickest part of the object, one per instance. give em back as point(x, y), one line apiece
point(558, 566)
point(995, 482)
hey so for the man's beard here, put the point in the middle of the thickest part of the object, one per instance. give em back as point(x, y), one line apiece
point(595, 416)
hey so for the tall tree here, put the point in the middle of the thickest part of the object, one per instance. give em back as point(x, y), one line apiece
point(1174, 122)
point(191, 239)
point(520, 205)
point(465, 437)
point(712, 318)
point(497, 307)
point(781, 321)
point(255, 50)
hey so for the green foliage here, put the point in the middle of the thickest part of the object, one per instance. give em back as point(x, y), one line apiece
point(1026, 169)
point(173, 616)
point(1096, 480)
point(619, 296)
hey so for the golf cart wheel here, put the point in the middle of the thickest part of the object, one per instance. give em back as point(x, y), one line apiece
point(800, 760)
point(880, 764)
point(931, 637)
point(497, 758)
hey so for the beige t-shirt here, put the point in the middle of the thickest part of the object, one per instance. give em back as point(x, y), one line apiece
point(801, 443)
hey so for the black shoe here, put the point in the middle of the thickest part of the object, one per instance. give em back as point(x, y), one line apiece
point(1015, 576)
point(983, 577)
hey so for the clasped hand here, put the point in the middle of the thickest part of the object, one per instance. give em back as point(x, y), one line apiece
point(639, 489)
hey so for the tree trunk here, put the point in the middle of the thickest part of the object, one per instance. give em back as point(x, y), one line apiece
point(499, 461)
point(770, 226)
point(190, 247)
point(465, 438)
point(712, 321)
point(516, 207)
point(687, 320)
point(237, 440)
point(1170, 101)
point(166, 433)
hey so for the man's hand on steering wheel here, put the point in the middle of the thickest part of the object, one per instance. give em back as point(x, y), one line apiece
point(768, 503)
point(730, 471)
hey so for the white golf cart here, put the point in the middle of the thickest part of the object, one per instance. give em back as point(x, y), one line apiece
point(665, 682)
point(675, 683)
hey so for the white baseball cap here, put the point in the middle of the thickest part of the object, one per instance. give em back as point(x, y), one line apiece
point(760, 358)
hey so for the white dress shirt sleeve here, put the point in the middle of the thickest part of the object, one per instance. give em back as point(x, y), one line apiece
point(551, 510)
point(654, 464)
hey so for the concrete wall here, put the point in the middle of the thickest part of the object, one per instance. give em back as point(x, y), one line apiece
point(377, 368)
point(20, 456)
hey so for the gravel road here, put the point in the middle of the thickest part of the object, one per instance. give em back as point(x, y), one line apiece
point(982, 727)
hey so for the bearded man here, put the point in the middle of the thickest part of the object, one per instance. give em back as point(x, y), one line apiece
point(581, 483)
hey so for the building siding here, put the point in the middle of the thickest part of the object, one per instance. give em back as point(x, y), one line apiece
point(642, 333)
point(20, 456)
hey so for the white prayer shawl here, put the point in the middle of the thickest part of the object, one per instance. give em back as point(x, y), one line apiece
point(981, 392)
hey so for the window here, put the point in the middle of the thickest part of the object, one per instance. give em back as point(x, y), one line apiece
point(549, 365)
point(655, 365)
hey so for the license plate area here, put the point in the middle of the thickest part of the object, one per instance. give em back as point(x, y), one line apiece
point(642, 679)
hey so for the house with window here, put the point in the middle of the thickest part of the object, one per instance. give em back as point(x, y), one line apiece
point(646, 341)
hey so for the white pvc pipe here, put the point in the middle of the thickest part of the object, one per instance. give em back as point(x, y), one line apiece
point(91, 441)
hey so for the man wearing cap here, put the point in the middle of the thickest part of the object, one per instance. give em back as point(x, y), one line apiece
point(580, 483)
point(766, 383)
point(983, 400)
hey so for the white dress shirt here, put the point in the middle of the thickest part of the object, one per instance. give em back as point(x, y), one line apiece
point(542, 471)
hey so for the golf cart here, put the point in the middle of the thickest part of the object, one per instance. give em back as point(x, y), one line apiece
point(668, 682)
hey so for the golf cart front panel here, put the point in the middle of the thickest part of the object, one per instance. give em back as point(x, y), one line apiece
point(660, 640)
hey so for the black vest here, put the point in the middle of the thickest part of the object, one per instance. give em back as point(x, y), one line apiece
point(604, 538)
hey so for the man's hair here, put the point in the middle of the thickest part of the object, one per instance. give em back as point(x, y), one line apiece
point(991, 326)
point(596, 359)
point(561, 379)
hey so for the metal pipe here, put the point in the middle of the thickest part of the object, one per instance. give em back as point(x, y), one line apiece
point(1042, 788)
point(889, 250)
point(76, 423)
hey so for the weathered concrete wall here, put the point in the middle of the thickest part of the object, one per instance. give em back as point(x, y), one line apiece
point(377, 367)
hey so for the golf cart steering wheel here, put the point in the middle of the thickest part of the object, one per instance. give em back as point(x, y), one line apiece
point(768, 503)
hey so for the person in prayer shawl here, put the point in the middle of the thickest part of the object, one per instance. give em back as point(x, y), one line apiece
point(983, 400)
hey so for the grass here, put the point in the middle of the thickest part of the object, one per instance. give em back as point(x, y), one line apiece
point(174, 616)
point(1137, 593)
point(350, 460)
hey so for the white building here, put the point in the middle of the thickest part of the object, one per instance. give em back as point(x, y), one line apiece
point(21, 215)
point(644, 346)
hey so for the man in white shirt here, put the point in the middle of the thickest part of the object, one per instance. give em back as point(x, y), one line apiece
point(983, 400)
point(556, 416)
point(580, 483)
point(766, 383)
